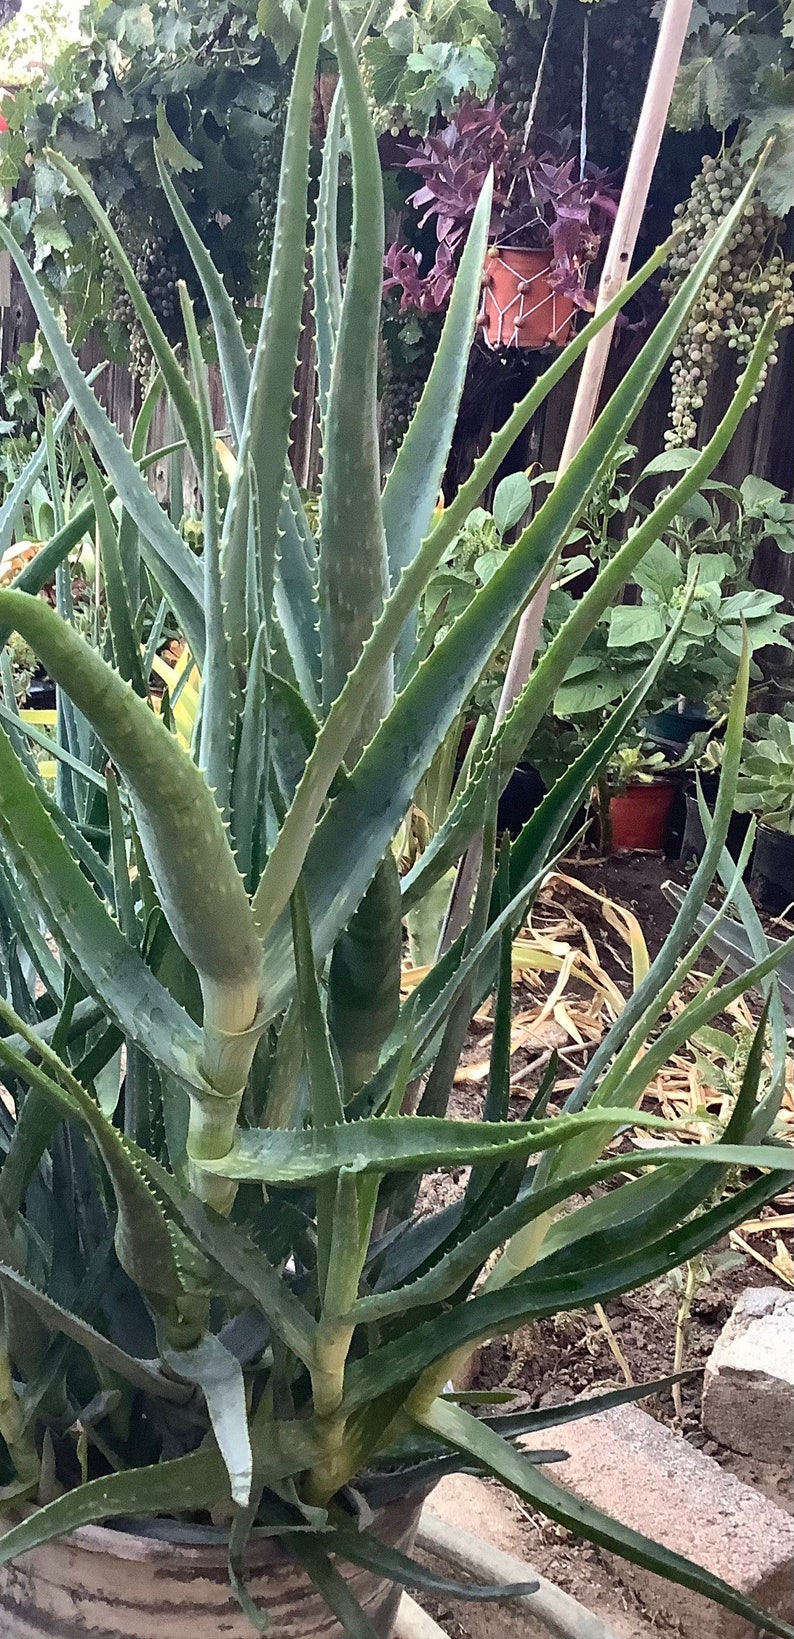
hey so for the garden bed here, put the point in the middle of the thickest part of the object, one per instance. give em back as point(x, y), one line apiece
point(576, 1353)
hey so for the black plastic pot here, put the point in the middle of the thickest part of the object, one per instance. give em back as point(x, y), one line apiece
point(772, 876)
point(676, 727)
point(523, 793)
point(694, 839)
point(41, 693)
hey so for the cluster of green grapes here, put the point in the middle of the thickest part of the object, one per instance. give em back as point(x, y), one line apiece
point(751, 278)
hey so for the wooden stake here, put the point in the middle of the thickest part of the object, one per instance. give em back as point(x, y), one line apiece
point(633, 200)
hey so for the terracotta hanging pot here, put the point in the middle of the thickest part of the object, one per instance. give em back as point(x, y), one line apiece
point(519, 306)
point(113, 1584)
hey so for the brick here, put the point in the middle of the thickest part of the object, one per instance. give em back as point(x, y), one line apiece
point(748, 1389)
point(641, 1473)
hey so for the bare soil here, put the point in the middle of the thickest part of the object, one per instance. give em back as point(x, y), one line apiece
point(561, 1358)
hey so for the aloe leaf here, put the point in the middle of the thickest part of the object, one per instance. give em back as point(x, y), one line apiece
point(220, 1377)
point(126, 648)
point(168, 1488)
point(529, 1297)
point(414, 1143)
point(21, 488)
point(345, 714)
point(325, 256)
point(219, 691)
point(414, 483)
point(512, 1424)
point(465, 1433)
point(108, 965)
point(362, 1548)
point(232, 352)
point(169, 558)
point(296, 594)
point(364, 977)
point(142, 1374)
point(178, 820)
point(331, 1584)
point(243, 1261)
point(249, 780)
point(172, 373)
point(353, 562)
point(269, 407)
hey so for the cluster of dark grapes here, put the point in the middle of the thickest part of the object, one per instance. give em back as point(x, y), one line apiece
point(403, 391)
point(625, 67)
point(158, 264)
point(750, 279)
point(520, 57)
point(269, 168)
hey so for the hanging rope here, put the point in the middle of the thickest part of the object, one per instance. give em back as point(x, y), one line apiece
point(533, 101)
point(585, 78)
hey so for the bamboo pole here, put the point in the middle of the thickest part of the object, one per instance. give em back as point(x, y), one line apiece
point(617, 263)
point(633, 200)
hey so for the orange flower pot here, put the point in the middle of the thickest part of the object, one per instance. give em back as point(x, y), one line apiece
point(519, 306)
point(638, 816)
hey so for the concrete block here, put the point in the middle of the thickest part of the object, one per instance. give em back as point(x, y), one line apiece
point(748, 1389)
point(652, 1480)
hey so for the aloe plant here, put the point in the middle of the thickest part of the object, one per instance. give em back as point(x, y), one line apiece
point(211, 1265)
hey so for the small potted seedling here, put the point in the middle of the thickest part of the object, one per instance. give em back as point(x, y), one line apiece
point(634, 800)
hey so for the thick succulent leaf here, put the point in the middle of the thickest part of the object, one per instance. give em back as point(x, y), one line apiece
point(178, 820)
point(269, 408)
point(220, 1377)
point(243, 1262)
point(364, 977)
point(414, 1143)
point(21, 488)
point(345, 715)
point(414, 483)
point(110, 968)
point(353, 562)
point(529, 1297)
point(167, 363)
point(169, 559)
point(142, 1374)
point(126, 647)
point(465, 1433)
point(232, 352)
point(219, 691)
point(168, 1488)
point(332, 1585)
point(362, 1548)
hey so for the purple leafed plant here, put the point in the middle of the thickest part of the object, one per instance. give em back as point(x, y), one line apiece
point(539, 202)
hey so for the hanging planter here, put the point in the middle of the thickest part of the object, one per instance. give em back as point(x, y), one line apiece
point(520, 308)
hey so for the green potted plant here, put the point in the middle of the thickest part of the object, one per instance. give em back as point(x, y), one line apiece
point(766, 788)
point(634, 799)
point(227, 1332)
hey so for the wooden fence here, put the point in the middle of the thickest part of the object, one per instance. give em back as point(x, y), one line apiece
point(764, 443)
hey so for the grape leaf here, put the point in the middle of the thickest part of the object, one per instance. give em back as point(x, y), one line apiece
point(715, 80)
point(174, 152)
point(774, 117)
